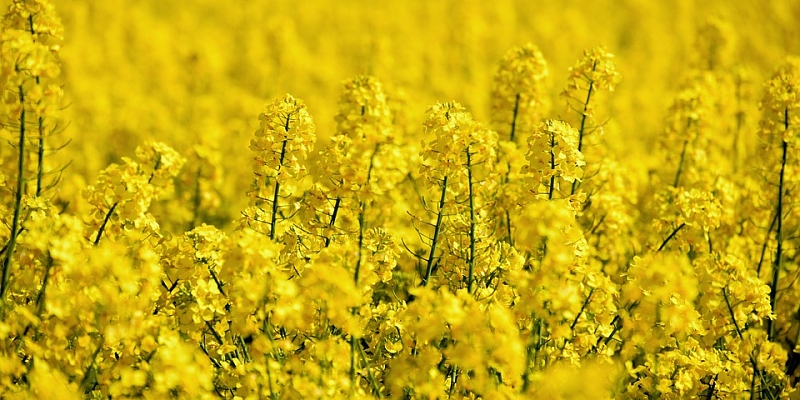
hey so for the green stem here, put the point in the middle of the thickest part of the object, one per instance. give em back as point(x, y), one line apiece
point(105, 222)
point(45, 280)
point(40, 152)
point(375, 389)
point(360, 241)
point(529, 356)
point(756, 371)
point(472, 240)
point(583, 122)
point(739, 123)
point(196, 200)
point(508, 229)
point(552, 166)
point(776, 269)
point(436, 231)
point(514, 119)
point(332, 223)
point(40, 156)
point(583, 308)
point(586, 110)
point(87, 376)
point(362, 213)
point(12, 243)
point(274, 217)
point(680, 164)
point(671, 235)
point(764, 246)
point(352, 364)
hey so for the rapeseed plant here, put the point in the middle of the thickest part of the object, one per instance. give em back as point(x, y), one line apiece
point(385, 250)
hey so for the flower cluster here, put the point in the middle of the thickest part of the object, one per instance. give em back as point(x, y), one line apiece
point(402, 255)
point(518, 92)
point(554, 158)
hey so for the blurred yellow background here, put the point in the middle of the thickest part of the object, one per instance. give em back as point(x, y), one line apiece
point(200, 71)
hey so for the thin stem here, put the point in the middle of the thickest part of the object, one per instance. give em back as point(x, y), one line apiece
point(87, 375)
point(275, 197)
point(712, 388)
point(105, 222)
point(508, 228)
point(12, 242)
point(352, 364)
point(680, 164)
point(583, 122)
point(739, 123)
point(40, 156)
point(514, 119)
point(40, 297)
point(360, 240)
point(766, 242)
point(436, 230)
point(671, 235)
point(333, 219)
point(196, 199)
point(756, 370)
point(586, 110)
point(583, 307)
point(472, 240)
point(40, 152)
point(375, 389)
point(776, 269)
point(730, 310)
point(272, 394)
point(362, 213)
point(453, 380)
point(532, 356)
point(552, 166)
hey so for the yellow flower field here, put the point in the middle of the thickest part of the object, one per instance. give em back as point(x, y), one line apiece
point(407, 200)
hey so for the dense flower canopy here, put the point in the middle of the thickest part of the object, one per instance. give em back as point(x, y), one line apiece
point(457, 200)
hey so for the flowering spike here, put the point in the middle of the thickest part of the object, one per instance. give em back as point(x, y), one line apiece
point(518, 96)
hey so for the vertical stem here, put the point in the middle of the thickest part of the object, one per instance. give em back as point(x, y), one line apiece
point(680, 164)
point(583, 122)
point(40, 297)
point(275, 196)
point(508, 228)
point(363, 210)
point(352, 364)
point(585, 111)
point(40, 151)
point(40, 156)
point(12, 242)
point(531, 354)
point(471, 277)
point(514, 119)
point(453, 380)
point(764, 246)
point(739, 123)
point(333, 218)
point(196, 200)
point(360, 240)
point(776, 268)
point(436, 230)
point(552, 166)
point(375, 389)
